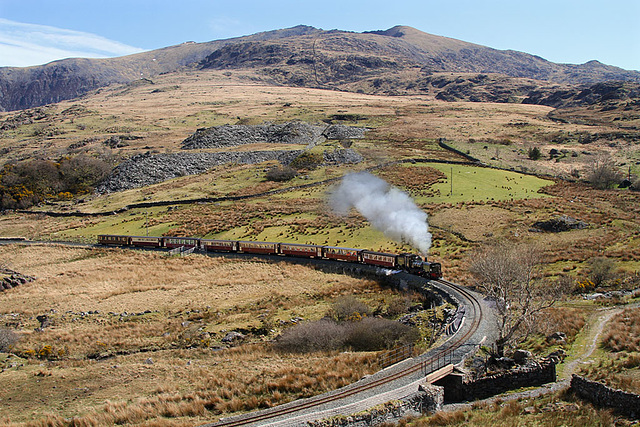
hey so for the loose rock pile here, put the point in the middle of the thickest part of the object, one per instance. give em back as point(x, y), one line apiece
point(287, 133)
point(147, 169)
point(339, 157)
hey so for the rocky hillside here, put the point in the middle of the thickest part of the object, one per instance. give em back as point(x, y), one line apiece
point(27, 87)
point(398, 60)
point(270, 133)
point(147, 169)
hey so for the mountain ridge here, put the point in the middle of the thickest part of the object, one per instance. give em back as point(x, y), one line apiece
point(299, 56)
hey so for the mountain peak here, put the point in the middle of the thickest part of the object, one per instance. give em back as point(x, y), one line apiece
point(290, 56)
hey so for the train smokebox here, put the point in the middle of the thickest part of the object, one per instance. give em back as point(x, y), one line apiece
point(387, 208)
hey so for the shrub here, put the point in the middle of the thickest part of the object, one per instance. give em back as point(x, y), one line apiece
point(534, 153)
point(349, 308)
point(308, 160)
point(601, 270)
point(398, 306)
point(322, 335)
point(368, 334)
point(281, 173)
point(602, 172)
point(82, 172)
point(25, 184)
point(7, 339)
point(372, 333)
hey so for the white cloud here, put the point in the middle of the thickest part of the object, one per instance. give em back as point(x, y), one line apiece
point(23, 45)
point(225, 27)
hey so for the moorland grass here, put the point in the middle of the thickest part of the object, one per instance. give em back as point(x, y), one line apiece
point(111, 310)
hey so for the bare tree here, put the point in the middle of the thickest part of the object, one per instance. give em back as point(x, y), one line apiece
point(508, 274)
point(602, 172)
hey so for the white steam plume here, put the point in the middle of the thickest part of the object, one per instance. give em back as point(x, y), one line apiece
point(387, 208)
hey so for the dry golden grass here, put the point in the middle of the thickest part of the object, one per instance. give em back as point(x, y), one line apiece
point(555, 410)
point(185, 386)
point(623, 332)
point(180, 290)
point(111, 310)
point(619, 363)
point(163, 118)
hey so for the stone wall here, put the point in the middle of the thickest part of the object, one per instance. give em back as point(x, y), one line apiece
point(601, 395)
point(457, 389)
point(428, 398)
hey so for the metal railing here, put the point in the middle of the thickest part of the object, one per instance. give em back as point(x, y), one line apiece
point(395, 355)
point(440, 361)
point(181, 251)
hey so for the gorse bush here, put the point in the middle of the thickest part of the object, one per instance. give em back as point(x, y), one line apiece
point(24, 184)
point(308, 160)
point(349, 308)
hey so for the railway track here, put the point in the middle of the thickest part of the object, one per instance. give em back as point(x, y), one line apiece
point(453, 351)
point(467, 336)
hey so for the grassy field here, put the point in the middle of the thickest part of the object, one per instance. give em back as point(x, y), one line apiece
point(149, 327)
point(113, 310)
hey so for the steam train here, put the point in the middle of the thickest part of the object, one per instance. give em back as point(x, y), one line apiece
point(410, 263)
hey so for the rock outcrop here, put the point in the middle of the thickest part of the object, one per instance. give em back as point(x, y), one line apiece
point(12, 279)
point(560, 223)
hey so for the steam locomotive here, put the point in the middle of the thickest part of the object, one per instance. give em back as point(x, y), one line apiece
point(410, 263)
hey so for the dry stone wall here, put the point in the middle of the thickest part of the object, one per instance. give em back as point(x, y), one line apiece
point(457, 389)
point(428, 398)
point(604, 396)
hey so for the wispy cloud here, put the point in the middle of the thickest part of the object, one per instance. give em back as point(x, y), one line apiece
point(23, 45)
point(225, 27)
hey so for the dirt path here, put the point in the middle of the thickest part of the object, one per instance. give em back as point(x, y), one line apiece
point(585, 350)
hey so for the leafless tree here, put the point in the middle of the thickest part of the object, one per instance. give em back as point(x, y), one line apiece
point(508, 273)
point(602, 172)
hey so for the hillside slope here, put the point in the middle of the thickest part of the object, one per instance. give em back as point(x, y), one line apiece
point(391, 61)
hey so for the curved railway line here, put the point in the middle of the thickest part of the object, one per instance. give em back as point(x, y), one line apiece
point(471, 330)
point(400, 375)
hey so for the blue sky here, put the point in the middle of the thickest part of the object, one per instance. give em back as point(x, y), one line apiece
point(569, 31)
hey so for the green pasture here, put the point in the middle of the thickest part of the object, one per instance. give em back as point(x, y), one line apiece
point(470, 183)
point(363, 238)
